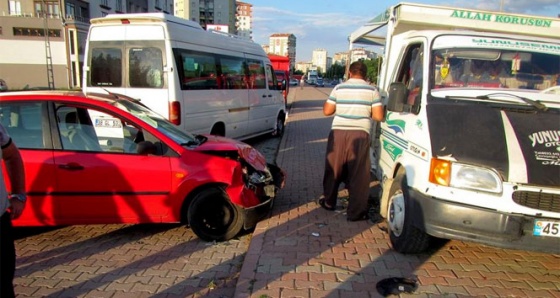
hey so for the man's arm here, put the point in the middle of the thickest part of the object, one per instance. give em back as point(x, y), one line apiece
point(14, 168)
point(377, 113)
point(329, 108)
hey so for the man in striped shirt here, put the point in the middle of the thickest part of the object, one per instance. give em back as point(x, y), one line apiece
point(355, 104)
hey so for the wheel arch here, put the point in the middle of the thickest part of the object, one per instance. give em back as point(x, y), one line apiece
point(191, 195)
point(386, 186)
point(218, 129)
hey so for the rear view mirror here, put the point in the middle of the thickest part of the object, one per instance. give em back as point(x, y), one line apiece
point(397, 97)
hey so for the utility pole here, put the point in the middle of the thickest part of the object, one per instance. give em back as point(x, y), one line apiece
point(50, 73)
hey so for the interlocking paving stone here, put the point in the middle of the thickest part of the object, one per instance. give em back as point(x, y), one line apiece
point(281, 258)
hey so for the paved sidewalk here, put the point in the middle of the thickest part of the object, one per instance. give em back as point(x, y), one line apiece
point(303, 250)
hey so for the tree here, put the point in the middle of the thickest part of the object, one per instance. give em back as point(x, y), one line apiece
point(373, 69)
point(336, 71)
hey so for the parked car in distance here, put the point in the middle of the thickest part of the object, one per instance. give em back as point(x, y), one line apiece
point(320, 82)
point(294, 82)
point(99, 159)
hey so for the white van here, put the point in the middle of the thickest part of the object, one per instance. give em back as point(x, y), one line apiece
point(202, 81)
point(470, 145)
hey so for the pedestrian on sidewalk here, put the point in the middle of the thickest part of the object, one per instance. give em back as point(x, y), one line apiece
point(355, 103)
point(11, 207)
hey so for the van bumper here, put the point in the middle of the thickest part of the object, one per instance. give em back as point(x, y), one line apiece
point(449, 220)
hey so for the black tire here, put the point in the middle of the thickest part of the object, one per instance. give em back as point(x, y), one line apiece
point(213, 217)
point(405, 237)
point(279, 128)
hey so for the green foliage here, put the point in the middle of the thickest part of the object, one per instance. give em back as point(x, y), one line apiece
point(336, 71)
point(373, 69)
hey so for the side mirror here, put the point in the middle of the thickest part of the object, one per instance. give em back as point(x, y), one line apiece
point(397, 97)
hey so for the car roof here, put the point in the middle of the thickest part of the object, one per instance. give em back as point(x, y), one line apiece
point(65, 95)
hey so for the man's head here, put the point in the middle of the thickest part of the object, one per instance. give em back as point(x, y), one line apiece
point(358, 70)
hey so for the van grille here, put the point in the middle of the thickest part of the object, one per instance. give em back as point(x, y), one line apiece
point(538, 200)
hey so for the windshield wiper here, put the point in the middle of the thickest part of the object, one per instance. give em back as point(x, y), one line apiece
point(198, 140)
point(535, 103)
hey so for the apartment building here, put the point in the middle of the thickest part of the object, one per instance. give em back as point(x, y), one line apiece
point(361, 53)
point(221, 13)
point(340, 58)
point(42, 42)
point(319, 59)
point(303, 66)
point(244, 20)
point(283, 44)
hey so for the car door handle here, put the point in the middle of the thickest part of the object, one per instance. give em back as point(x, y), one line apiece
point(264, 95)
point(72, 166)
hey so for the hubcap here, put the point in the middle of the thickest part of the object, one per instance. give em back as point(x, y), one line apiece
point(396, 213)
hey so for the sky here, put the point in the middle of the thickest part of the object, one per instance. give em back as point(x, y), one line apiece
point(326, 24)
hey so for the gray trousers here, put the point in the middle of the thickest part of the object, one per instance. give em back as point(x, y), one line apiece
point(348, 161)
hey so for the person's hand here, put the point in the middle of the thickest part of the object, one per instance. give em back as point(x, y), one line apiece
point(16, 208)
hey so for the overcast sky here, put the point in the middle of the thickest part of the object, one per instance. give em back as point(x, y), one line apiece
point(326, 24)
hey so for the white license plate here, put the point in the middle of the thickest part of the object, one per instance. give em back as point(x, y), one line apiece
point(546, 228)
point(108, 123)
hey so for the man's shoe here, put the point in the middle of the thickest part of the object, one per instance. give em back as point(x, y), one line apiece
point(323, 203)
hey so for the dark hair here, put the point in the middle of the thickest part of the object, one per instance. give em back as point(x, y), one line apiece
point(358, 68)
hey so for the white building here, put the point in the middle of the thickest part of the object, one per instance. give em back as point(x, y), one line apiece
point(244, 20)
point(319, 59)
point(283, 44)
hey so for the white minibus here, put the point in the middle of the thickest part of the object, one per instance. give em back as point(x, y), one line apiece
point(202, 81)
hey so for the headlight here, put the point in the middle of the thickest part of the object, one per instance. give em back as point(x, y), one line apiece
point(448, 173)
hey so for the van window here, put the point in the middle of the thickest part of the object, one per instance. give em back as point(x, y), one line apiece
point(411, 72)
point(256, 77)
point(272, 80)
point(232, 73)
point(106, 67)
point(145, 67)
point(197, 71)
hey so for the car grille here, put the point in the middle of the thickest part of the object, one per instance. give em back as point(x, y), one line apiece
point(538, 200)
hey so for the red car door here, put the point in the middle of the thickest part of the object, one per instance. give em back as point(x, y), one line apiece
point(107, 181)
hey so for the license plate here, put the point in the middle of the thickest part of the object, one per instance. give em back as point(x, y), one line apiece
point(108, 123)
point(546, 228)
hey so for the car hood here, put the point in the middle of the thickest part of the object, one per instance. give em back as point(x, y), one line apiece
point(245, 151)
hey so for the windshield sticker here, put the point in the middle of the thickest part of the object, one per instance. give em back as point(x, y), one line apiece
point(501, 18)
point(513, 44)
point(546, 140)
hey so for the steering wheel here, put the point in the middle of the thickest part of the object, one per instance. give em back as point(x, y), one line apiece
point(553, 90)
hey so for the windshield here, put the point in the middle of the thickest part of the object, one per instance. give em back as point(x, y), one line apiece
point(483, 62)
point(157, 121)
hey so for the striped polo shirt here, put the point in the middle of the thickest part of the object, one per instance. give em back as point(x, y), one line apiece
point(354, 100)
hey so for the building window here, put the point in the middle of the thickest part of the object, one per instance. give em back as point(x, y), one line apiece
point(15, 7)
point(118, 5)
point(47, 9)
point(70, 11)
point(21, 31)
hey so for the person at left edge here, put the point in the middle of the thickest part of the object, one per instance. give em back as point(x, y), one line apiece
point(11, 207)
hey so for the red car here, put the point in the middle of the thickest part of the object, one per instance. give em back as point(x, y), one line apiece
point(98, 159)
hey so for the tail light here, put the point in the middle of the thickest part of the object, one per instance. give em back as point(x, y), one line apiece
point(175, 112)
